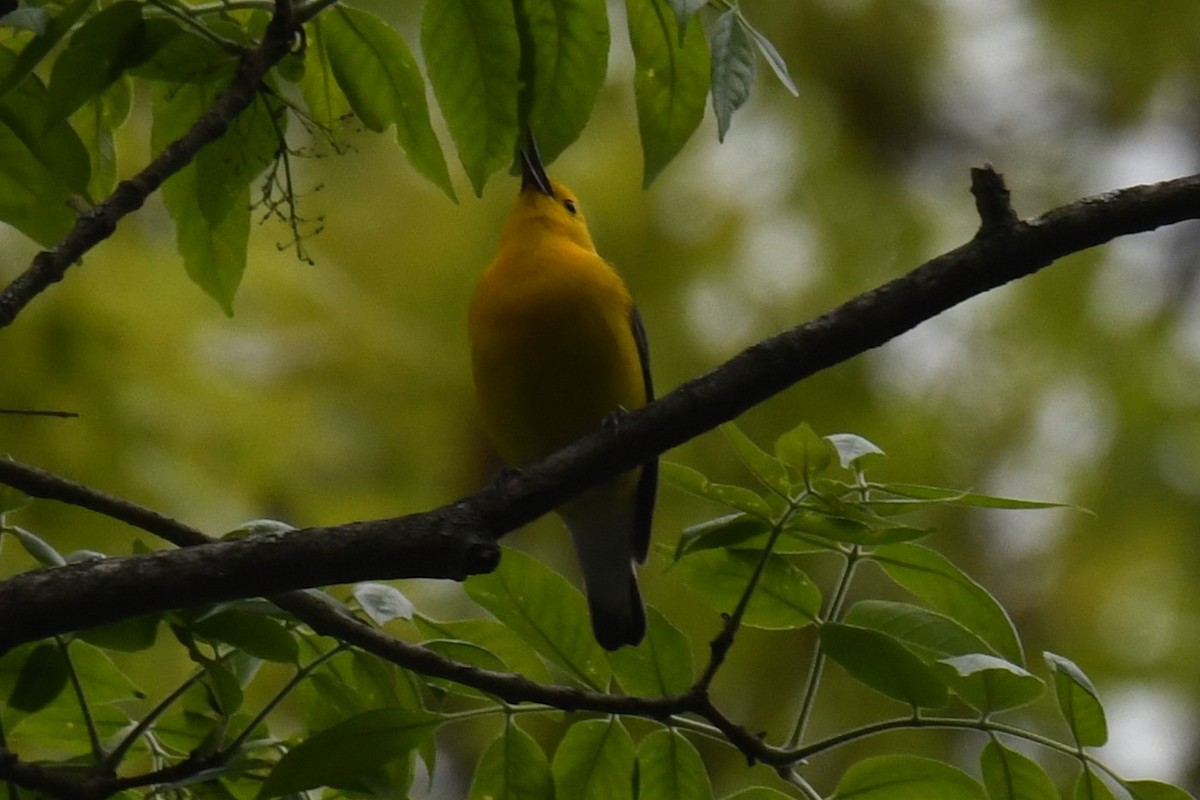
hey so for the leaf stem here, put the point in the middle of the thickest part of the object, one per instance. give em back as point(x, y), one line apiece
point(982, 724)
point(301, 674)
point(724, 641)
point(113, 759)
point(225, 6)
point(88, 721)
point(817, 667)
point(796, 779)
point(188, 19)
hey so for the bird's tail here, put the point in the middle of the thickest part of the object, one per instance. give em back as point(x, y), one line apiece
point(603, 533)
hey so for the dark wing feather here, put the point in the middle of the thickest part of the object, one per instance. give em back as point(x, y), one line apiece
point(648, 483)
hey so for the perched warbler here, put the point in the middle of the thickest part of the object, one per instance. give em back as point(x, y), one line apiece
point(557, 348)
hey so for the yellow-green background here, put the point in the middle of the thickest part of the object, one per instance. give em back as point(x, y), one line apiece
point(341, 390)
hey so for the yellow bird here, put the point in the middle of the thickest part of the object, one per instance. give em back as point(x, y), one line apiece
point(558, 348)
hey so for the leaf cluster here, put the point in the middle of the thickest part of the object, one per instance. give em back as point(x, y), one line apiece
point(496, 67)
point(950, 656)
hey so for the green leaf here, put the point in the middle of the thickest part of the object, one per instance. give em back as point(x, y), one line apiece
point(936, 495)
point(43, 163)
point(129, 635)
point(926, 632)
point(382, 603)
point(253, 634)
point(103, 681)
point(670, 83)
point(733, 68)
point(12, 499)
point(684, 11)
point(743, 532)
point(661, 665)
point(730, 530)
point(990, 684)
point(60, 723)
point(324, 98)
point(351, 683)
point(496, 638)
point(341, 756)
point(225, 690)
point(784, 599)
point(1078, 701)
point(391, 781)
point(932, 577)
point(377, 683)
point(670, 768)
point(564, 56)
point(228, 165)
point(544, 609)
point(763, 465)
point(801, 449)
point(778, 65)
point(41, 45)
point(37, 547)
point(696, 483)
point(594, 761)
point(897, 777)
point(96, 55)
point(472, 53)
point(95, 123)
point(863, 529)
point(465, 653)
point(380, 79)
point(209, 199)
point(1008, 775)
point(852, 448)
point(181, 55)
point(1089, 786)
point(42, 676)
point(513, 767)
point(884, 664)
point(1154, 790)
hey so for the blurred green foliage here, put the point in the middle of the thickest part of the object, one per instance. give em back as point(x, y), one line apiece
point(340, 390)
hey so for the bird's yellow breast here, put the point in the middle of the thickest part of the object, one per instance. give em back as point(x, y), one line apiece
point(552, 345)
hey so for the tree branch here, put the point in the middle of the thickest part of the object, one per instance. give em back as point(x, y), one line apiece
point(996, 256)
point(441, 544)
point(328, 619)
point(67, 598)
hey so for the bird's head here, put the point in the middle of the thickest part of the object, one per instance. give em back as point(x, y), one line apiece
point(547, 203)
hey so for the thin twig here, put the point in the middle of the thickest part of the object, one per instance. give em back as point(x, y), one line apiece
point(817, 665)
point(114, 758)
point(719, 647)
point(270, 705)
point(89, 722)
point(32, 412)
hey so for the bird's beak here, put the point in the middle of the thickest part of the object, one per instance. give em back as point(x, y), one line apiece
point(533, 173)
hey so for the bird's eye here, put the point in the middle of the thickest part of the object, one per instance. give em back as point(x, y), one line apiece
point(569, 205)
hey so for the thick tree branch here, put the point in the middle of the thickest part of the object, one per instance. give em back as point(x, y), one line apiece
point(67, 598)
point(98, 223)
point(328, 619)
point(998, 254)
point(443, 544)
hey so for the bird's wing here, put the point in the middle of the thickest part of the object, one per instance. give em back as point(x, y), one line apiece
point(648, 483)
